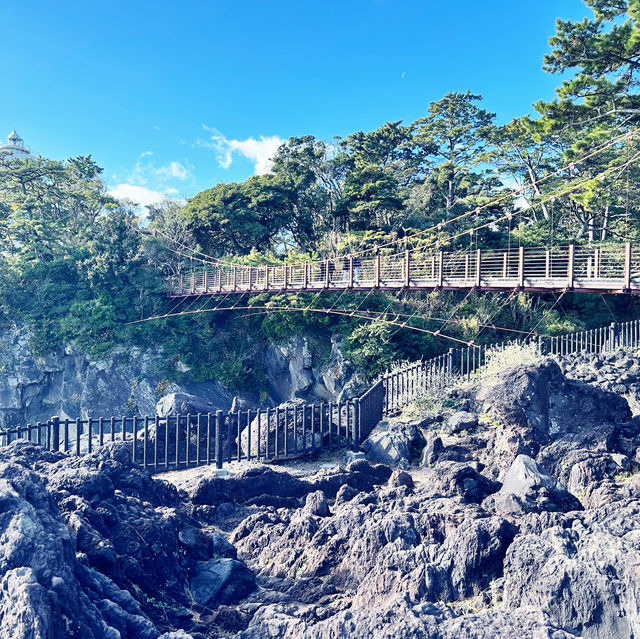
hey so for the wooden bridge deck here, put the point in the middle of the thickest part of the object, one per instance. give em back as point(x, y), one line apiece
point(610, 269)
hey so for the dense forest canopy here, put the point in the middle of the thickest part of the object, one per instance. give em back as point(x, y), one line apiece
point(77, 264)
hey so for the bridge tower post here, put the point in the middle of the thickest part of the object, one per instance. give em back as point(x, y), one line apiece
point(570, 266)
point(407, 266)
point(521, 267)
point(627, 266)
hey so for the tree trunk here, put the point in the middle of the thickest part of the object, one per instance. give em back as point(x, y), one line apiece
point(536, 189)
point(605, 224)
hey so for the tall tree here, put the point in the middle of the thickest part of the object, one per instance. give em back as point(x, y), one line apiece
point(454, 137)
point(604, 54)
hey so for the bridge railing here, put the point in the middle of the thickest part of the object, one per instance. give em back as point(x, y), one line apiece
point(515, 267)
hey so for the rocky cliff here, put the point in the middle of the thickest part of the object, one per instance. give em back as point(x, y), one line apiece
point(516, 516)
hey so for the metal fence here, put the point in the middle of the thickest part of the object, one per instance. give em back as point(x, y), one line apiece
point(405, 385)
point(183, 441)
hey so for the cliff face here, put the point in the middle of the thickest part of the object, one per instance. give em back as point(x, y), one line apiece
point(70, 384)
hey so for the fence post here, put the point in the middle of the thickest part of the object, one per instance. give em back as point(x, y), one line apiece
point(357, 427)
point(218, 439)
point(541, 345)
point(613, 336)
point(55, 433)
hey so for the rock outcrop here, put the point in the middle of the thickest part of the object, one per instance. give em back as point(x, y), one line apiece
point(518, 518)
point(92, 547)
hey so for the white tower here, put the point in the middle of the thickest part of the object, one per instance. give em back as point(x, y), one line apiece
point(15, 148)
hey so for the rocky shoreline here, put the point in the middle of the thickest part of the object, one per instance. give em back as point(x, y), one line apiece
point(514, 512)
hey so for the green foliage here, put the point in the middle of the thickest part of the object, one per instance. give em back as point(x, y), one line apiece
point(369, 346)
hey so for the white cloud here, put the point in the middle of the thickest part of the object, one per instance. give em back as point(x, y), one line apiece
point(175, 170)
point(260, 151)
point(136, 194)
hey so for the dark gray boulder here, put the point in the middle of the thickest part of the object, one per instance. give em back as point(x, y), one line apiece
point(316, 504)
point(395, 443)
point(263, 484)
point(183, 403)
point(456, 479)
point(533, 405)
point(400, 478)
point(460, 421)
point(527, 488)
point(432, 450)
point(221, 581)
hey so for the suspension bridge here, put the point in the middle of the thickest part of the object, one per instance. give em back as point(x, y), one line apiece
point(600, 269)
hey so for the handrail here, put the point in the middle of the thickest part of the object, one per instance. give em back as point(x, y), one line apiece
point(602, 268)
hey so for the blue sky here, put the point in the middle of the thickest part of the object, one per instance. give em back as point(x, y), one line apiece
point(173, 97)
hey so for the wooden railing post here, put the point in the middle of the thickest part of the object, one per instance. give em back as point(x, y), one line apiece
point(505, 258)
point(547, 264)
point(570, 266)
point(627, 266)
point(206, 281)
point(478, 267)
point(407, 267)
point(521, 267)
point(596, 263)
point(376, 274)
